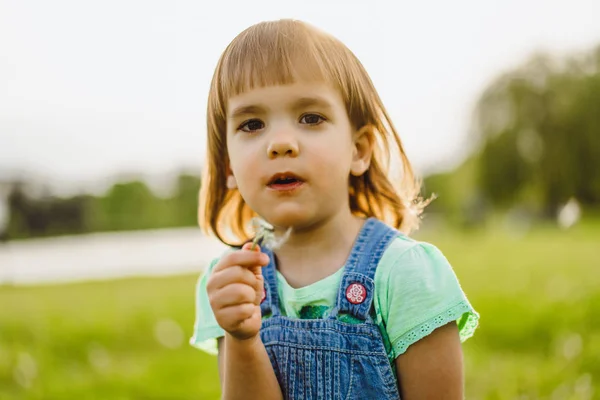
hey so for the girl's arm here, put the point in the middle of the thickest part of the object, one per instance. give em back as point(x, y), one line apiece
point(432, 368)
point(245, 369)
point(235, 288)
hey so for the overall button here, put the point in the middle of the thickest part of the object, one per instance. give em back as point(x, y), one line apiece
point(356, 293)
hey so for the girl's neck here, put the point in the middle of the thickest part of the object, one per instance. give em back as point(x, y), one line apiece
point(312, 254)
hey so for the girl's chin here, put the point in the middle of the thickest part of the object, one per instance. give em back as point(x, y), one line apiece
point(285, 219)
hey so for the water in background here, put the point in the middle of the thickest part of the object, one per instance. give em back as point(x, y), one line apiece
point(106, 256)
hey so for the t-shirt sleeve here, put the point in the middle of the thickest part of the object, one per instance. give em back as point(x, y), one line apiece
point(423, 294)
point(206, 328)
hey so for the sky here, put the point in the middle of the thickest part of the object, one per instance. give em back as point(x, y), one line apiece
point(90, 91)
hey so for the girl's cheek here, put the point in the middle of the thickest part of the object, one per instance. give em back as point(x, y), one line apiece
point(238, 152)
point(244, 163)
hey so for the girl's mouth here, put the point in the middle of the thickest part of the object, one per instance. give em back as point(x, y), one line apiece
point(285, 182)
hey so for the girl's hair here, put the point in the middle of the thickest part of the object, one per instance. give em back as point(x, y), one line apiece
point(283, 52)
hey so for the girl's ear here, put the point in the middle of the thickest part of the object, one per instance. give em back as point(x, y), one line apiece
point(364, 142)
point(231, 182)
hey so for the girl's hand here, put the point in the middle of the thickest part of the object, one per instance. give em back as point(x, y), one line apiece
point(235, 289)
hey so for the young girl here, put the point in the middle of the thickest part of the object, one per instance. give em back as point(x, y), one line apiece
point(346, 306)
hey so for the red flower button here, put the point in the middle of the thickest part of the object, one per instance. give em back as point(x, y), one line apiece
point(356, 293)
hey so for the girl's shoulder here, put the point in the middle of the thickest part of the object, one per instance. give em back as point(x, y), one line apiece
point(418, 270)
point(418, 291)
point(410, 257)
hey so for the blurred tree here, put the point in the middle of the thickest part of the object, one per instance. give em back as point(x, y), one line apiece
point(538, 128)
point(457, 199)
point(186, 198)
point(125, 206)
point(31, 217)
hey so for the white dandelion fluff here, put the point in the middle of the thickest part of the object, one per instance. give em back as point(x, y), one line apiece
point(265, 233)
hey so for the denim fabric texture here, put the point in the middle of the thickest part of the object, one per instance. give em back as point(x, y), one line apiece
point(327, 358)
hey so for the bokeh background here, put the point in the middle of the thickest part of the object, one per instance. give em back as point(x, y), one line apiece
point(101, 147)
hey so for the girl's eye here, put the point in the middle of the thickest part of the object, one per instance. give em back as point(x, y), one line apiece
point(252, 125)
point(311, 119)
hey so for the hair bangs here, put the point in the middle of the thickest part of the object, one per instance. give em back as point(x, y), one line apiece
point(280, 53)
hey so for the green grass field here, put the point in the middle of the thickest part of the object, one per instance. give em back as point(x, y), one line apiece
point(539, 336)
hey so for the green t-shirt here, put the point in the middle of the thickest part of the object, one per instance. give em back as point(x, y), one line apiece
point(416, 291)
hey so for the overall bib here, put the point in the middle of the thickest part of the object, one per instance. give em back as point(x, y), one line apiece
point(328, 358)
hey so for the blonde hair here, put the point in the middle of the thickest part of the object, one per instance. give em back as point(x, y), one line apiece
point(286, 51)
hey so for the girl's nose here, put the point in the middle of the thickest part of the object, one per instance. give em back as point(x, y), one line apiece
point(282, 145)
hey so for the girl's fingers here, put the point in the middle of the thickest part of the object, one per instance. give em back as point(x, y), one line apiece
point(249, 245)
point(235, 274)
point(242, 258)
point(259, 290)
point(257, 269)
point(232, 295)
point(231, 318)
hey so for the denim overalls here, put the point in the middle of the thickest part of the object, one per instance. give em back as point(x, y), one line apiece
point(326, 358)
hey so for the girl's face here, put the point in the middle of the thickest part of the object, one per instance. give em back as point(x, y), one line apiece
point(291, 149)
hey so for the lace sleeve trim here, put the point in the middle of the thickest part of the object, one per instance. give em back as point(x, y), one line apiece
point(467, 320)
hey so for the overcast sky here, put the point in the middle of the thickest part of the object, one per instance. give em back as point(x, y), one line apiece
point(92, 89)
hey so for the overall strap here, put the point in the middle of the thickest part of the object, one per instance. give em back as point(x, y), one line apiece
point(357, 288)
point(270, 301)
